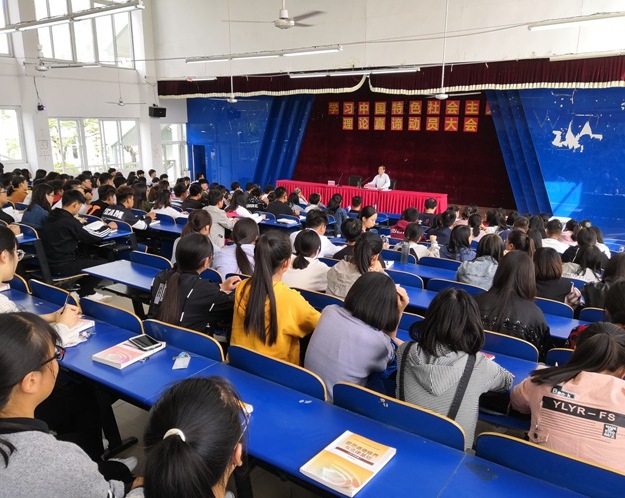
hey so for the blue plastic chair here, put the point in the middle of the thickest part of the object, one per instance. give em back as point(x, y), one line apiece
point(182, 220)
point(405, 279)
point(111, 314)
point(188, 340)
point(392, 255)
point(551, 307)
point(289, 217)
point(240, 275)
point(558, 356)
point(165, 219)
point(592, 315)
point(278, 371)
point(579, 284)
point(319, 300)
point(447, 264)
point(551, 466)
point(439, 284)
point(51, 293)
point(139, 212)
point(405, 416)
point(152, 260)
point(495, 342)
point(268, 216)
point(407, 319)
point(329, 261)
point(19, 284)
point(212, 276)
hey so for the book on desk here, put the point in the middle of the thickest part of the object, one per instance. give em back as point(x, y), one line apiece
point(348, 463)
point(124, 354)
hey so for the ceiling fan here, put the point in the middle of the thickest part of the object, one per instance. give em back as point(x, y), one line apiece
point(121, 102)
point(442, 94)
point(43, 66)
point(284, 21)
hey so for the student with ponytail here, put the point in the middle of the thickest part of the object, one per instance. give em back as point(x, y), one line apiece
point(578, 408)
point(181, 297)
point(199, 221)
point(193, 440)
point(269, 317)
point(306, 271)
point(518, 240)
point(239, 257)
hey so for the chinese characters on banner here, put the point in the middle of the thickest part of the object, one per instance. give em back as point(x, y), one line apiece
point(452, 115)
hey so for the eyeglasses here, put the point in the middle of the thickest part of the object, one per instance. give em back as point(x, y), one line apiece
point(20, 254)
point(59, 354)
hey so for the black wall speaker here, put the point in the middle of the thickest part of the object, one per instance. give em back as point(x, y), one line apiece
point(157, 112)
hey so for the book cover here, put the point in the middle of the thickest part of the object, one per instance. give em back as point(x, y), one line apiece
point(348, 463)
point(83, 324)
point(123, 354)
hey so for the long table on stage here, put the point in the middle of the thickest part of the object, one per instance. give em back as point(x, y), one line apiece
point(389, 201)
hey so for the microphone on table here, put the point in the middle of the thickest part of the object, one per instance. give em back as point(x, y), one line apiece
point(338, 183)
point(364, 182)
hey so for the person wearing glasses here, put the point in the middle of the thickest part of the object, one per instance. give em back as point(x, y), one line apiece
point(29, 356)
point(193, 440)
point(63, 319)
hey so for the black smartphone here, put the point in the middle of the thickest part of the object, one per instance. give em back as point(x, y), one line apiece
point(144, 342)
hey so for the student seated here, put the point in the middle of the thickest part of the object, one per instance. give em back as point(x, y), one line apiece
point(238, 257)
point(4, 215)
point(594, 292)
point(445, 348)
point(356, 205)
point(427, 218)
point(554, 231)
point(221, 222)
point(61, 234)
point(162, 205)
point(280, 205)
point(577, 408)
point(340, 215)
point(481, 270)
point(442, 231)
point(518, 240)
point(549, 281)
point(509, 308)
point(199, 222)
point(587, 265)
point(181, 192)
point(181, 297)
point(314, 202)
point(317, 221)
point(237, 207)
point(40, 206)
point(18, 189)
point(193, 440)
point(368, 217)
point(353, 341)
point(269, 317)
point(412, 236)
point(293, 202)
point(106, 198)
point(123, 210)
point(351, 230)
point(194, 200)
point(408, 216)
point(459, 246)
point(29, 355)
point(305, 270)
point(366, 258)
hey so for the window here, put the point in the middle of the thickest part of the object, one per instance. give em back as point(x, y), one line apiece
point(94, 144)
point(106, 40)
point(4, 39)
point(174, 140)
point(11, 140)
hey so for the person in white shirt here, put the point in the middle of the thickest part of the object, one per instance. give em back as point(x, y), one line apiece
point(238, 257)
point(317, 221)
point(380, 181)
point(305, 271)
point(314, 202)
point(162, 205)
point(554, 230)
point(237, 206)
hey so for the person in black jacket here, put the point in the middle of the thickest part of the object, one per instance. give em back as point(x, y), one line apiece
point(123, 210)
point(181, 297)
point(61, 233)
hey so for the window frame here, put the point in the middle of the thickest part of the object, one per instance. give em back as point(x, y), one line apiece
point(182, 146)
point(20, 133)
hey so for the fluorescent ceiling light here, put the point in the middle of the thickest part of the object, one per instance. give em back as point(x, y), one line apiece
point(111, 9)
point(568, 22)
point(313, 51)
point(196, 60)
point(586, 55)
point(254, 56)
point(8, 29)
point(44, 23)
point(392, 70)
point(200, 78)
point(350, 73)
point(308, 75)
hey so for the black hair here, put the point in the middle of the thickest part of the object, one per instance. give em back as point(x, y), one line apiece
point(589, 258)
point(272, 250)
point(547, 264)
point(71, 196)
point(215, 196)
point(316, 218)
point(373, 299)
point(106, 191)
point(180, 188)
point(245, 231)
point(459, 238)
point(314, 198)
point(235, 185)
point(334, 203)
point(430, 203)
point(293, 199)
point(447, 219)
point(191, 252)
point(238, 199)
point(123, 193)
point(280, 192)
point(195, 189)
point(496, 220)
point(468, 211)
point(40, 173)
point(140, 191)
point(307, 244)
point(614, 302)
point(25, 343)
point(490, 245)
point(410, 214)
point(367, 212)
point(162, 200)
point(104, 178)
point(119, 181)
point(367, 246)
point(600, 348)
point(452, 322)
point(585, 237)
point(475, 222)
point(522, 242)
point(15, 182)
point(198, 219)
point(615, 267)
point(537, 223)
point(554, 227)
point(512, 218)
point(572, 226)
point(356, 201)
point(351, 228)
point(413, 232)
point(598, 233)
point(39, 198)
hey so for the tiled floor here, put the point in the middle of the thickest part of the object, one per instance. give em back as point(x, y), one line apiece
point(132, 420)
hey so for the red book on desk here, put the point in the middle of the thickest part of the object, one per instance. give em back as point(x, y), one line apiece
point(124, 354)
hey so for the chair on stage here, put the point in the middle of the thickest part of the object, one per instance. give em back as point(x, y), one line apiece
point(405, 279)
point(392, 255)
point(552, 466)
point(112, 314)
point(319, 300)
point(495, 342)
point(354, 181)
point(278, 371)
point(444, 263)
point(51, 293)
point(558, 356)
point(188, 340)
point(551, 307)
point(592, 315)
point(405, 416)
point(439, 284)
point(393, 184)
point(212, 276)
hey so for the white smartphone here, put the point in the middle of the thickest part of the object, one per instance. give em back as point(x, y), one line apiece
point(144, 342)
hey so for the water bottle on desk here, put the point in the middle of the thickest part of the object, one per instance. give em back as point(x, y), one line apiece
point(405, 251)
